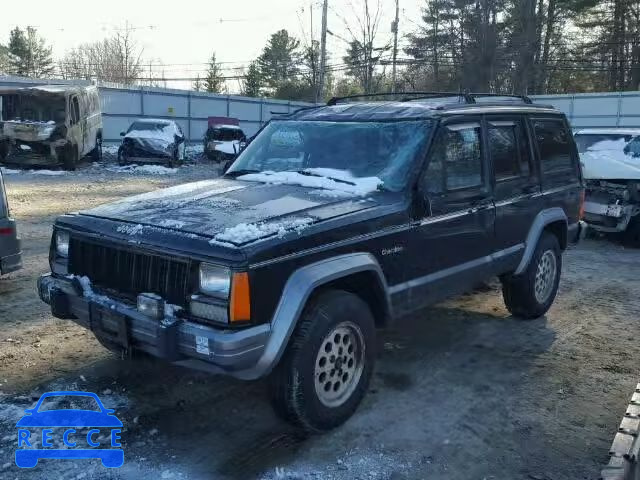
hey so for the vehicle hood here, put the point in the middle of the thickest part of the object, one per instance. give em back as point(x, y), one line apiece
point(26, 130)
point(230, 211)
point(609, 165)
point(69, 418)
point(152, 142)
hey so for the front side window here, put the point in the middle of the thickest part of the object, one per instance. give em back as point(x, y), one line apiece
point(385, 150)
point(508, 149)
point(75, 110)
point(554, 146)
point(455, 161)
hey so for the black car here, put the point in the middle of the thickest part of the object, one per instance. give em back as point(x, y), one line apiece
point(223, 143)
point(333, 222)
point(152, 141)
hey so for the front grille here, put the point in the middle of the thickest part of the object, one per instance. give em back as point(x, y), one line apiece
point(130, 273)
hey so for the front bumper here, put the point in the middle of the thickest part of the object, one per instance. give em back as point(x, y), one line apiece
point(239, 353)
point(608, 217)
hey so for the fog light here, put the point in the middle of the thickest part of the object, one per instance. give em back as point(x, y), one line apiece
point(209, 311)
point(151, 305)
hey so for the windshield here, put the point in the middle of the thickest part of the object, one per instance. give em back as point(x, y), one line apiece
point(33, 108)
point(585, 141)
point(382, 150)
point(225, 134)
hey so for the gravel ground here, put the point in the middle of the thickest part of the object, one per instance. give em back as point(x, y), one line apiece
point(461, 390)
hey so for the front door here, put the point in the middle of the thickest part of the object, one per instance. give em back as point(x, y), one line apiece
point(452, 243)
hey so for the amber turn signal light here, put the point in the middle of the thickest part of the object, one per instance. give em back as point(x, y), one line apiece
point(240, 305)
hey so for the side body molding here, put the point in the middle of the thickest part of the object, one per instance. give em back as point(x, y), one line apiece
point(297, 291)
point(544, 218)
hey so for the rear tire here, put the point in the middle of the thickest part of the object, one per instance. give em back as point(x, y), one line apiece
point(631, 235)
point(325, 371)
point(96, 153)
point(70, 158)
point(531, 294)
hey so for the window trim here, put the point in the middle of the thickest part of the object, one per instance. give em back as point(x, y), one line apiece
point(532, 175)
point(484, 188)
point(574, 169)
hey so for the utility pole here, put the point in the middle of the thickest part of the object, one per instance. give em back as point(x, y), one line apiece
point(394, 29)
point(323, 52)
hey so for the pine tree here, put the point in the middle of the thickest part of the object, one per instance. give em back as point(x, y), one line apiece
point(253, 81)
point(197, 84)
point(29, 55)
point(214, 82)
point(280, 59)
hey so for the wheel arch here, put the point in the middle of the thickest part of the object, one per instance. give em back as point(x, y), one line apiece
point(359, 273)
point(552, 220)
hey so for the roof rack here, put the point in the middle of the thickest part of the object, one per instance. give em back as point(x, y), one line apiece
point(469, 97)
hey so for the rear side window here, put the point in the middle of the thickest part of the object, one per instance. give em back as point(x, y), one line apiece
point(554, 145)
point(456, 159)
point(508, 149)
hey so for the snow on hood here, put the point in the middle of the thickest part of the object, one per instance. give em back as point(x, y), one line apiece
point(357, 186)
point(165, 134)
point(606, 160)
point(228, 211)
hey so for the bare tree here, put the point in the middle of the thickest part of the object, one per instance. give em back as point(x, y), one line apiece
point(117, 59)
point(363, 56)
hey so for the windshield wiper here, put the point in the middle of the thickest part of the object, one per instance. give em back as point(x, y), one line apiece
point(238, 173)
point(314, 174)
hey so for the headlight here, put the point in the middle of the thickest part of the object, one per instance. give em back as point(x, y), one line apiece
point(214, 281)
point(62, 243)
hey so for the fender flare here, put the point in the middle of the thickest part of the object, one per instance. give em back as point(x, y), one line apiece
point(544, 218)
point(298, 289)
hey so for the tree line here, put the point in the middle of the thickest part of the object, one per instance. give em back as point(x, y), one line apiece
point(501, 46)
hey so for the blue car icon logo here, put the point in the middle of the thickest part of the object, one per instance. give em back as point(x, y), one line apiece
point(36, 430)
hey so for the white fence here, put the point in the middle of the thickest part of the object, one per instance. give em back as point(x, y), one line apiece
point(190, 109)
point(120, 106)
point(588, 110)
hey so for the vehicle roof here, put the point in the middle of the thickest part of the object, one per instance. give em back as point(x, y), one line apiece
point(608, 131)
point(410, 110)
point(225, 125)
point(154, 120)
point(61, 89)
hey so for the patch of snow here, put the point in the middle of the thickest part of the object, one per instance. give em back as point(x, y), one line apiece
point(110, 148)
point(142, 169)
point(358, 186)
point(171, 310)
point(87, 290)
point(47, 172)
point(231, 147)
point(248, 232)
point(130, 229)
point(9, 171)
point(172, 224)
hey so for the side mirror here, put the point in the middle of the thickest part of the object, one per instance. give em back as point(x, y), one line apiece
point(122, 134)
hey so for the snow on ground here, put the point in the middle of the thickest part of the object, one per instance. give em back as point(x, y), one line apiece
point(249, 232)
point(357, 186)
point(9, 171)
point(47, 172)
point(142, 169)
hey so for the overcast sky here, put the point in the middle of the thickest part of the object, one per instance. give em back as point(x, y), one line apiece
point(182, 34)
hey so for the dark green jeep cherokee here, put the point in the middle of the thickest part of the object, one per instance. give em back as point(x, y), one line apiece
point(334, 221)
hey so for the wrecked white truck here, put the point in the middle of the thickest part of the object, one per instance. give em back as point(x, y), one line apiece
point(50, 125)
point(611, 167)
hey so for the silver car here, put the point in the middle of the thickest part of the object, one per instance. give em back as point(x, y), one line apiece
point(10, 254)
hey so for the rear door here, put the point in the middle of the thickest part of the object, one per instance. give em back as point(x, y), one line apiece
point(516, 186)
point(76, 130)
point(451, 245)
point(559, 165)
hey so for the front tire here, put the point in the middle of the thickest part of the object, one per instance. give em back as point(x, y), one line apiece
point(531, 294)
point(325, 372)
